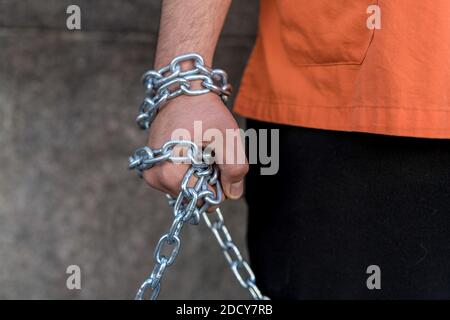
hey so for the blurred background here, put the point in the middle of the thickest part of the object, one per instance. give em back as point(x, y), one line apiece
point(68, 100)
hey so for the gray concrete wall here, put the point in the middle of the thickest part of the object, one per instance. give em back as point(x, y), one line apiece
point(67, 104)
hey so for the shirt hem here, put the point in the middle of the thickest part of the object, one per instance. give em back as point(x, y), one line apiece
point(357, 118)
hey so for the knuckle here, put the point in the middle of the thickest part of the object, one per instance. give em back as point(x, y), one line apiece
point(237, 171)
point(151, 178)
point(170, 176)
point(245, 168)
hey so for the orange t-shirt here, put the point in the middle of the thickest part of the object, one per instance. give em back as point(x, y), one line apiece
point(317, 64)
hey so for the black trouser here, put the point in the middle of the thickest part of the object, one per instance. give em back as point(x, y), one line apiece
point(344, 201)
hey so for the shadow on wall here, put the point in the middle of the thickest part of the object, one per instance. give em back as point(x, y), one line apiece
point(68, 102)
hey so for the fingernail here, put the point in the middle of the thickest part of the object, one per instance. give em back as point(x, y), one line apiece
point(236, 189)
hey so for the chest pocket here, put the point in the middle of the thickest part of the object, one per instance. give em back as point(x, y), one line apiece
point(325, 32)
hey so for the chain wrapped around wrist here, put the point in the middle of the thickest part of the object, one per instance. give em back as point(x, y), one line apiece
point(172, 81)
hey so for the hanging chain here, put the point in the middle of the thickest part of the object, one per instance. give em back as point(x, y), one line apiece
point(240, 267)
point(192, 201)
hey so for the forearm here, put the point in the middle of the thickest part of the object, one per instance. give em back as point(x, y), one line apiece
point(190, 26)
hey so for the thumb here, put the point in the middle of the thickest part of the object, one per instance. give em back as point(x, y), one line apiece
point(232, 179)
point(233, 167)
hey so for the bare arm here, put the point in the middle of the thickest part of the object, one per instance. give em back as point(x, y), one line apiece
point(190, 26)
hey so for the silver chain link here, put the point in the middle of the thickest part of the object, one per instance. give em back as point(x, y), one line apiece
point(172, 81)
point(192, 202)
point(186, 208)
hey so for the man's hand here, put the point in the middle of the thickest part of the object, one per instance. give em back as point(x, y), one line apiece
point(181, 113)
point(192, 26)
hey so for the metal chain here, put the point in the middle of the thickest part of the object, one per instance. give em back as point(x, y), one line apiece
point(172, 81)
point(186, 208)
point(162, 85)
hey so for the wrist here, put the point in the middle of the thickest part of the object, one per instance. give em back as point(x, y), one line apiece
point(185, 75)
